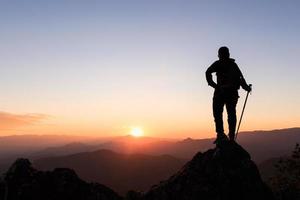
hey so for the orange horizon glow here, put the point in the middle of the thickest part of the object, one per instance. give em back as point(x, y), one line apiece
point(40, 125)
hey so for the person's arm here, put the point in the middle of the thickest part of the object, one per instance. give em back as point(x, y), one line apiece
point(243, 82)
point(208, 74)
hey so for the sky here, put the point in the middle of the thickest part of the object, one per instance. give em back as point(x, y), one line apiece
point(102, 67)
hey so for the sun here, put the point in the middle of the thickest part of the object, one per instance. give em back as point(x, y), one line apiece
point(136, 132)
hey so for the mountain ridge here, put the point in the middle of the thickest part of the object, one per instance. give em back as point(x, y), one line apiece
point(261, 144)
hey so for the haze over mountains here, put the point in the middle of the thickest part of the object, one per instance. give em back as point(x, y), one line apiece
point(261, 145)
point(14, 146)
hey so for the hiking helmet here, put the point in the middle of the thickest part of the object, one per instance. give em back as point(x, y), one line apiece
point(223, 52)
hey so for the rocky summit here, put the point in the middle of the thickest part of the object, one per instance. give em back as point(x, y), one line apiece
point(223, 173)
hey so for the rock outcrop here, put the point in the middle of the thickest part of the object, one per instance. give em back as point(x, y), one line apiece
point(22, 182)
point(223, 173)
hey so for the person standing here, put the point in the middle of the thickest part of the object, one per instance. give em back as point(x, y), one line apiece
point(229, 80)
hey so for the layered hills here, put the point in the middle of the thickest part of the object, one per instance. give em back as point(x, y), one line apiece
point(222, 173)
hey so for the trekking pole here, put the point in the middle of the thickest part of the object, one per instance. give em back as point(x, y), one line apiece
point(242, 113)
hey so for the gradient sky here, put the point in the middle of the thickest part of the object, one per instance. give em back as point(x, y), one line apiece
point(100, 67)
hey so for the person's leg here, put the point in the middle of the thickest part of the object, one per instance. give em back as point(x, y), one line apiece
point(231, 112)
point(218, 105)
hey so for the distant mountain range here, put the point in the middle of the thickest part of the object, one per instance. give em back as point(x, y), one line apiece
point(71, 148)
point(121, 172)
point(261, 145)
point(26, 144)
point(15, 146)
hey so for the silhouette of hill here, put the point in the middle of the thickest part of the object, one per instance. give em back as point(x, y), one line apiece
point(123, 144)
point(122, 172)
point(27, 144)
point(22, 182)
point(71, 148)
point(263, 145)
point(15, 146)
point(221, 173)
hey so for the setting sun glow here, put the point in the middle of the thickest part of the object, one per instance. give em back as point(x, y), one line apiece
point(136, 132)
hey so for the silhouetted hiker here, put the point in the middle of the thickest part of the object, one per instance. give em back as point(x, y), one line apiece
point(229, 80)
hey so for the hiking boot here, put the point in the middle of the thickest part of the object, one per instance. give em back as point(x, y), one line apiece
point(220, 138)
point(231, 136)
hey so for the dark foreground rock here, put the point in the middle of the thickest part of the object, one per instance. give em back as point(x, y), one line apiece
point(22, 182)
point(224, 173)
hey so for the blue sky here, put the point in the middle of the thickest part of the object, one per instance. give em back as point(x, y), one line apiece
point(101, 65)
